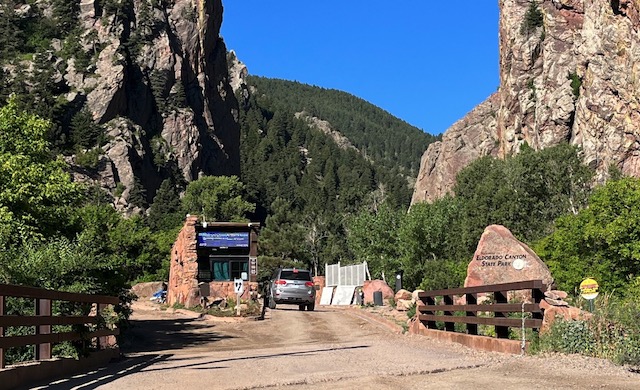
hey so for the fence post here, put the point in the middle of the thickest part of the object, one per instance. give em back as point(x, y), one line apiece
point(537, 295)
point(2, 331)
point(43, 308)
point(449, 326)
point(430, 301)
point(472, 299)
point(502, 332)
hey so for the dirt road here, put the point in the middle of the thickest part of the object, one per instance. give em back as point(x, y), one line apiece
point(325, 349)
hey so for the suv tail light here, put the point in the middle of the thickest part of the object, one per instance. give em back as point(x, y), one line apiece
point(308, 284)
point(280, 281)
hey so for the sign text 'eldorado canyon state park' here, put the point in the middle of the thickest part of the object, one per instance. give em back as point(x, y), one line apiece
point(501, 258)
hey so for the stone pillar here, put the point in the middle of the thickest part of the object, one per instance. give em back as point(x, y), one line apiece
point(183, 273)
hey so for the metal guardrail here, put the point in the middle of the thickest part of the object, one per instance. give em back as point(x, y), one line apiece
point(43, 320)
point(429, 309)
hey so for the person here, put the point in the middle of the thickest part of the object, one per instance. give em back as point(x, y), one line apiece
point(161, 295)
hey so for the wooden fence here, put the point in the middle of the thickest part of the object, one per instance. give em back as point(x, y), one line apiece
point(439, 306)
point(43, 320)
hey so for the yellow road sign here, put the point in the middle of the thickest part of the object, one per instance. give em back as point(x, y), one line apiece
point(589, 288)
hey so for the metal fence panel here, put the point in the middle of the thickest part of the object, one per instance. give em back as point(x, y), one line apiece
point(350, 275)
point(332, 273)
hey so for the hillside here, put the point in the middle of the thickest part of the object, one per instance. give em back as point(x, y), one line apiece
point(309, 164)
point(379, 135)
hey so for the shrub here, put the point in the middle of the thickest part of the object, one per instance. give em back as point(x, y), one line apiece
point(613, 332)
point(89, 159)
point(576, 83)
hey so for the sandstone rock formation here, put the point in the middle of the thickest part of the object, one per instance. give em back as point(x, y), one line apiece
point(159, 85)
point(370, 286)
point(501, 258)
point(573, 79)
point(553, 312)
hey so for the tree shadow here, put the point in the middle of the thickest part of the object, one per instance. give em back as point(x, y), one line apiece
point(168, 334)
point(99, 377)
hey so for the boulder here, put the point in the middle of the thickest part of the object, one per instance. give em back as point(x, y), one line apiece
point(501, 258)
point(403, 304)
point(556, 302)
point(376, 285)
point(414, 296)
point(146, 290)
point(403, 294)
point(552, 313)
point(559, 294)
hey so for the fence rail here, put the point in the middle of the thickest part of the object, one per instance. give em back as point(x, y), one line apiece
point(43, 321)
point(438, 306)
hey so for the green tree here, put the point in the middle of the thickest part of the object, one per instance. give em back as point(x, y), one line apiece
point(533, 19)
point(600, 241)
point(85, 133)
point(525, 193)
point(138, 194)
point(428, 235)
point(217, 198)
point(166, 212)
point(65, 14)
point(36, 193)
point(372, 236)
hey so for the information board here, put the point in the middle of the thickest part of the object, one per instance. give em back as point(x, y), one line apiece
point(223, 239)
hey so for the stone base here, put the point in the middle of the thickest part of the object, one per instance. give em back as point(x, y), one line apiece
point(483, 343)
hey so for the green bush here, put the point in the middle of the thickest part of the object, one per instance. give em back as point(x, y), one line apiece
point(576, 82)
point(612, 332)
point(89, 159)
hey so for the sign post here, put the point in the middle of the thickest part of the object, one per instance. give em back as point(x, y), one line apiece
point(238, 287)
point(589, 291)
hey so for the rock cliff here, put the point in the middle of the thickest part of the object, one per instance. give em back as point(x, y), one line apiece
point(159, 86)
point(569, 72)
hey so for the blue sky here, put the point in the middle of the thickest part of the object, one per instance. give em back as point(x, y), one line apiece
point(426, 62)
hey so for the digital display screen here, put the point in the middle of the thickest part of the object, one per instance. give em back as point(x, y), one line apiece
point(223, 239)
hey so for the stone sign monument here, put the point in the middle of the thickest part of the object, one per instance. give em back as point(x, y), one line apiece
point(501, 258)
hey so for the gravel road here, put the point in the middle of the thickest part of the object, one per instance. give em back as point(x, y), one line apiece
point(324, 349)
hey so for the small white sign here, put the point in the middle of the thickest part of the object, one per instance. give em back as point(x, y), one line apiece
point(518, 264)
point(238, 286)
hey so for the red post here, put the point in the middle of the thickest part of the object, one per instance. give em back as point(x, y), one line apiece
point(43, 308)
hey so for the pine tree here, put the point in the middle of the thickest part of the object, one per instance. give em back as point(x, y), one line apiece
point(85, 133)
point(164, 213)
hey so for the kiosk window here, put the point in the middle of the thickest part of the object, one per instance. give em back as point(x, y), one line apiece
point(237, 268)
point(220, 270)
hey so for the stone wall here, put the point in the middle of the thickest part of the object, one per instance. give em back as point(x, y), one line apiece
point(183, 273)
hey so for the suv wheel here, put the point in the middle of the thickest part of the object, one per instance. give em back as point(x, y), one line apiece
point(301, 307)
point(311, 307)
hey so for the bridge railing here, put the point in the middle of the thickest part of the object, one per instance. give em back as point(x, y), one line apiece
point(439, 306)
point(43, 320)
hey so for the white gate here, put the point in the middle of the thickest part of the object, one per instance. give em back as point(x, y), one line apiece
point(350, 275)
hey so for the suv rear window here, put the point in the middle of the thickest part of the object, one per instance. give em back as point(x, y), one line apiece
point(298, 275)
